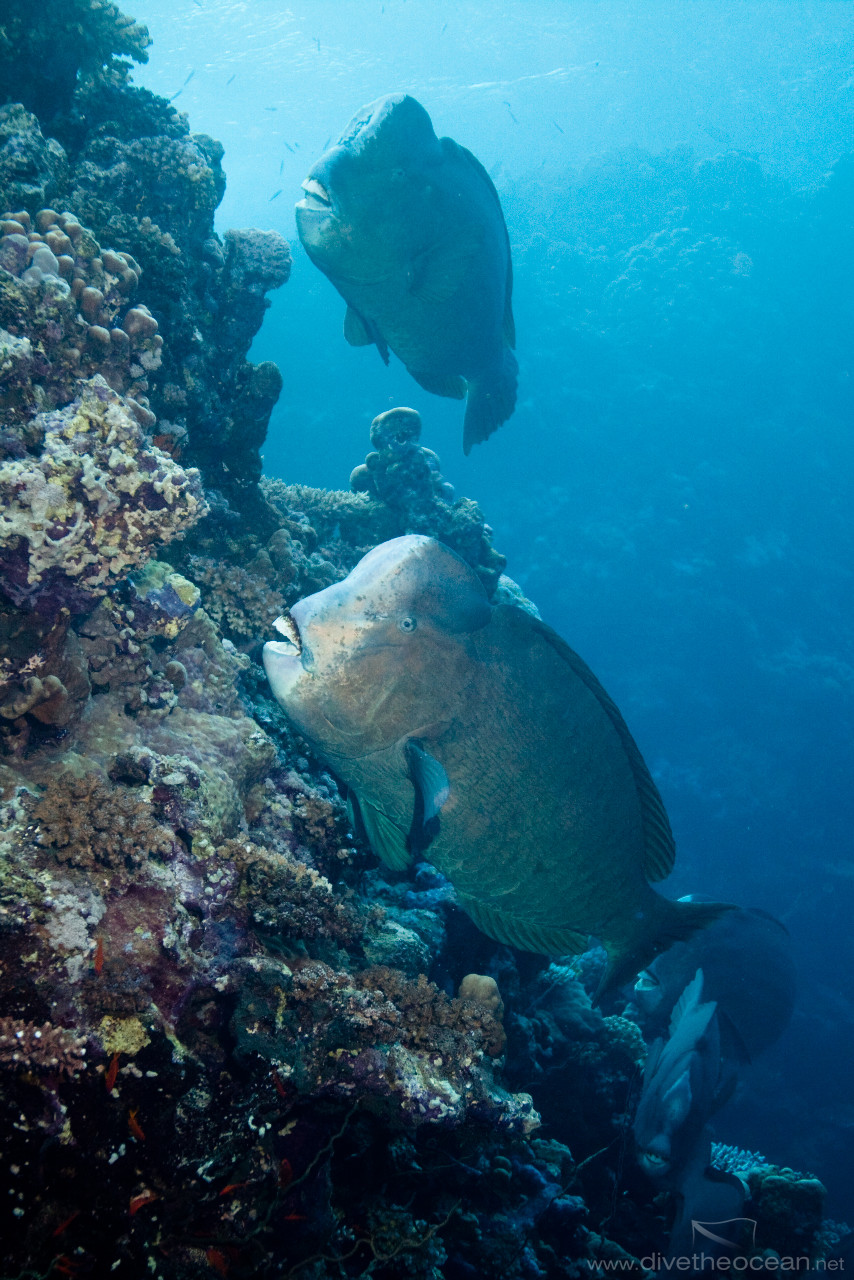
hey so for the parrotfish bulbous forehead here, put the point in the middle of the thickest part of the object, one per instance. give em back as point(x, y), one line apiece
point(412, 574)
point(396, 122)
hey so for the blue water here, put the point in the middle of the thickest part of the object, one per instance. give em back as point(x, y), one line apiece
point(675, 487)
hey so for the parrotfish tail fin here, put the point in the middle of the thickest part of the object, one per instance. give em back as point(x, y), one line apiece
point(491, 400)
point(662, 924)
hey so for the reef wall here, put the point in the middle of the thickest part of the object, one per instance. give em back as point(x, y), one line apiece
point(229, 1044)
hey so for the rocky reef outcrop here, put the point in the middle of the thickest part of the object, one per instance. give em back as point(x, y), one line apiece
point(229, 1044)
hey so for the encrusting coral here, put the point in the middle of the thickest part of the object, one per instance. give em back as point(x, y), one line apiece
point(92, 506)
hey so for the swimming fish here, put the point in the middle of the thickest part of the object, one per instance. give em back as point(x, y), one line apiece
point(749, 969)
point(686, 1080)
point(472, 735)
point(408, 228)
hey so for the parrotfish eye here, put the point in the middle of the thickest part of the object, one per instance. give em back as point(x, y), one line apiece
point(398, 174)
point(407, 624)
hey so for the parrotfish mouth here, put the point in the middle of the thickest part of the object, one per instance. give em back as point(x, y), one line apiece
point(316, 196)
point(291, 647)
point(653, 1163)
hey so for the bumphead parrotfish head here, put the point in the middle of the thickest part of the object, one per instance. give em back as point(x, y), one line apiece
point(680, 1086)
point(360, 214)
point(383, 654)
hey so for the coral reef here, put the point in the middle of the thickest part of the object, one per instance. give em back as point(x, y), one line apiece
point(26, 1047)
point(91, 506)
point(43, 54)
point(72, 302)
point(229, 1041)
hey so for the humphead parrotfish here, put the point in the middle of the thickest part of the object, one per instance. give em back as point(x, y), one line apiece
point(471, 734)
point(746, 957)
point(686, 1079)
point(409, 229)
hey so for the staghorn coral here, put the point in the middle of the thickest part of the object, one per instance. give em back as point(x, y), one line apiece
point(87, 822)
point(66, 313)
point(44, 1049)
point(92, 507)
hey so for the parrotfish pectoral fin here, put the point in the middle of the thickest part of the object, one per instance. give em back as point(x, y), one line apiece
point(491, 400)
point(384, 836)
point(432, 790)
point(359, 332)
point(355, 329)
point(504, 926)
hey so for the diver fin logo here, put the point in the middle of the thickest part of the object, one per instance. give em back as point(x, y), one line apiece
point(736, 1227)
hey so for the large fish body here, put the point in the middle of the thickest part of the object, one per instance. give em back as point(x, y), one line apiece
point(746, 957)
point(409, 229)
point(473, 735)
point(686, 1080)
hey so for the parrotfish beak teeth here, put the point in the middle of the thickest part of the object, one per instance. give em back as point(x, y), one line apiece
point(286, 627)
point(653, 1162)
point(316, 196)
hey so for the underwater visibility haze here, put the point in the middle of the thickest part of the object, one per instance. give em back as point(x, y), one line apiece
point(546, 353)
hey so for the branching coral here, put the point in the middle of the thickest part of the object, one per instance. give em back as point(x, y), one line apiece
point(44, 1049)
point(290, 902)
point(241, 601)
point(92, 507)
point(88, 822)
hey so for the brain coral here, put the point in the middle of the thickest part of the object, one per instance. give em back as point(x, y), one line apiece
point(93, 506)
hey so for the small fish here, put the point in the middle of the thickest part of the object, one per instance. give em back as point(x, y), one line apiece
point(510, 109)
point(189, 77)
point(275, 195)
point(140, 1201)
point(444, 28)
point(230, 78)
point(471, 734)
point(281, 167)
point(176, 95)
point(289, 147)
point(271, 108)
point(557, 126)
point(112, 1072)
point(408, 227)
point(134, 1125)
